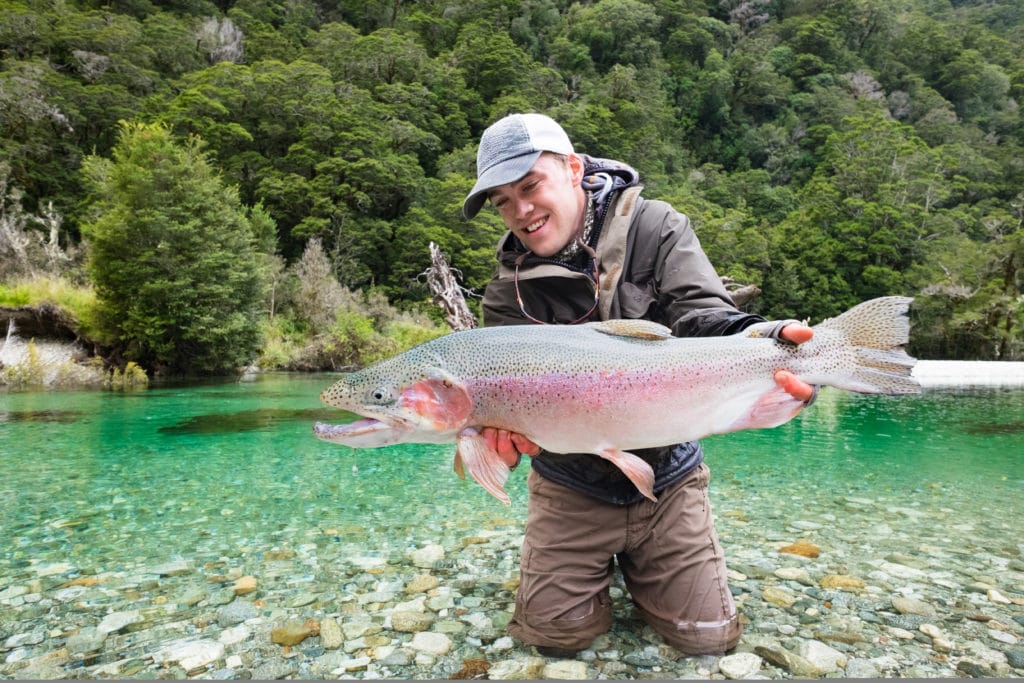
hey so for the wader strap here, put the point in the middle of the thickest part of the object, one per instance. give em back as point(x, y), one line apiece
point(611, 247)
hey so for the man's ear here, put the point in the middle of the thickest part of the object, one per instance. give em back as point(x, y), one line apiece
point(575, 168)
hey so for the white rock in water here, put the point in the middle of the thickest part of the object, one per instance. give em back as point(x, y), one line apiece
point(354, 664)
point(172, 568)
point(1002, 636)
point(331, 637)
point(12, 592)
point(427, 556)
point(23, 639)
point(115, 621)
point(517, 669)
point(740, 665)
point(431, 643)
point(235, 634)
point(52, 569)
point(940, 641)
point(368, 563)
point(826, 658)
point(901, 571)
point(798, 574)
point(190, 654)
point(567, 670)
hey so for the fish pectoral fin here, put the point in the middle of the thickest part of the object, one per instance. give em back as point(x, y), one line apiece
point(457, 465)
point(634, 467)
point(772, 409)
point(483, 463)
point(637, 329)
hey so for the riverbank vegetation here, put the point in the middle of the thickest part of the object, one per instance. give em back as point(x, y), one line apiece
point(209, 185)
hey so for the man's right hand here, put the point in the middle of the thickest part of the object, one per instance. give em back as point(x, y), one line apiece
point(509, 445)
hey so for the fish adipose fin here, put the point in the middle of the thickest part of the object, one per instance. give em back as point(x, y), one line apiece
point(482, 463)
point(877, 329)
point(634, 467)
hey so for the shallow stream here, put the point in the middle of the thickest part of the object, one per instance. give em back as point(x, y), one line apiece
point(156, 503)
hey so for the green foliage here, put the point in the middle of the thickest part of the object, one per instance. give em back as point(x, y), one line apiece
point(172, 256)
point(826, 151)
point(77, 300)
point(31, 372)
point(131, 378)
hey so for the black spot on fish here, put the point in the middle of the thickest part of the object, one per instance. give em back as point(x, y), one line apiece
point(40, 416)
point(248, 420)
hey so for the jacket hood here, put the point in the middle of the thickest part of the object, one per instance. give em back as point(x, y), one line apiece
point(604, 176)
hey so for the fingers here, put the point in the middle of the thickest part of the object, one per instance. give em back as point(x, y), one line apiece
point(796, 333)
point(795, 387)
point(508, 445)
point(524, 445)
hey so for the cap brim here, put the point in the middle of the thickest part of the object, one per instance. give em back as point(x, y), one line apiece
point(506, 172)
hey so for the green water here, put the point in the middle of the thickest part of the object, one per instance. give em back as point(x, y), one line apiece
point(116, 481)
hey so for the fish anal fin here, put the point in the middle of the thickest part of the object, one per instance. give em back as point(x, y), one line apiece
point(638, 329)
point(634, 467)
point(772, 409)
point(440, 399)
point(483, 463)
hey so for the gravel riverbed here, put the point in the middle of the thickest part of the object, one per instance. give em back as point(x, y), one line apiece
point(862, 587)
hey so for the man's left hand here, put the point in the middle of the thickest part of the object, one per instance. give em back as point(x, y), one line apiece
point(796, 334)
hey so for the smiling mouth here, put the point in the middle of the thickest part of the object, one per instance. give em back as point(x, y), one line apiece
point(535, 226)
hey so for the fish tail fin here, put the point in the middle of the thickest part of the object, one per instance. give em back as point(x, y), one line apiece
point(634, 467)
point(877, 330)
point(483, 464)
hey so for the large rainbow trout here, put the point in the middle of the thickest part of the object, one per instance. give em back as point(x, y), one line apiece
point(609, 387)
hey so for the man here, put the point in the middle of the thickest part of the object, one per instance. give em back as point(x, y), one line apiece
point(583, 245)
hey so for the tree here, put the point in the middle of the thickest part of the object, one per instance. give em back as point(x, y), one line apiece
point(172, 256)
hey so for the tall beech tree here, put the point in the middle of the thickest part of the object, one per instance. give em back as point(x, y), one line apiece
point(172, 255)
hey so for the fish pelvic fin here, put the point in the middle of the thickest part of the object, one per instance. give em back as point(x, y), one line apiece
point(877, 330)
point(634, 467)
point(483, 463)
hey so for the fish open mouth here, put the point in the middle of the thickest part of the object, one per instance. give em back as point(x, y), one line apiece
point(365, 433)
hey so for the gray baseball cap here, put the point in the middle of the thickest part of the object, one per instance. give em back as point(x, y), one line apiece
point(508, 150)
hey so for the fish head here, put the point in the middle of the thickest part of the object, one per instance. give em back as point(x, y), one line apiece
point(399, 403)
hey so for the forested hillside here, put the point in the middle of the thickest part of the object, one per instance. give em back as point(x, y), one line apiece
point(828, 151)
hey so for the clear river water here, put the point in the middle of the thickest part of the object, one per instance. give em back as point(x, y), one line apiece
point(219, 476)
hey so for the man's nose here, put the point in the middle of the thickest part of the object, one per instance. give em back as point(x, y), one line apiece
point(523, 207)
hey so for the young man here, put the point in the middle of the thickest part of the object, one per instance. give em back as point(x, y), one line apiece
point(583, 245)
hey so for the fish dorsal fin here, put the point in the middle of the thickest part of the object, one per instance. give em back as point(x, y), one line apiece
point(638, 329)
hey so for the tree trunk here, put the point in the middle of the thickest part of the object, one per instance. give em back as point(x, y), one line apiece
point(447, 292)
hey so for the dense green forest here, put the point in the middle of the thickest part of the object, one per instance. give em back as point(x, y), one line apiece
point(239, 177)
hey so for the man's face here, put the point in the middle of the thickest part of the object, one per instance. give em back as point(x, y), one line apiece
point(544, 208)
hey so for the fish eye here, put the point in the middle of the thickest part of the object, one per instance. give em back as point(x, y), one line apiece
point(380, 394)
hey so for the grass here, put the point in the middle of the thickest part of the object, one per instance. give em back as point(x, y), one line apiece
point(78, 300)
